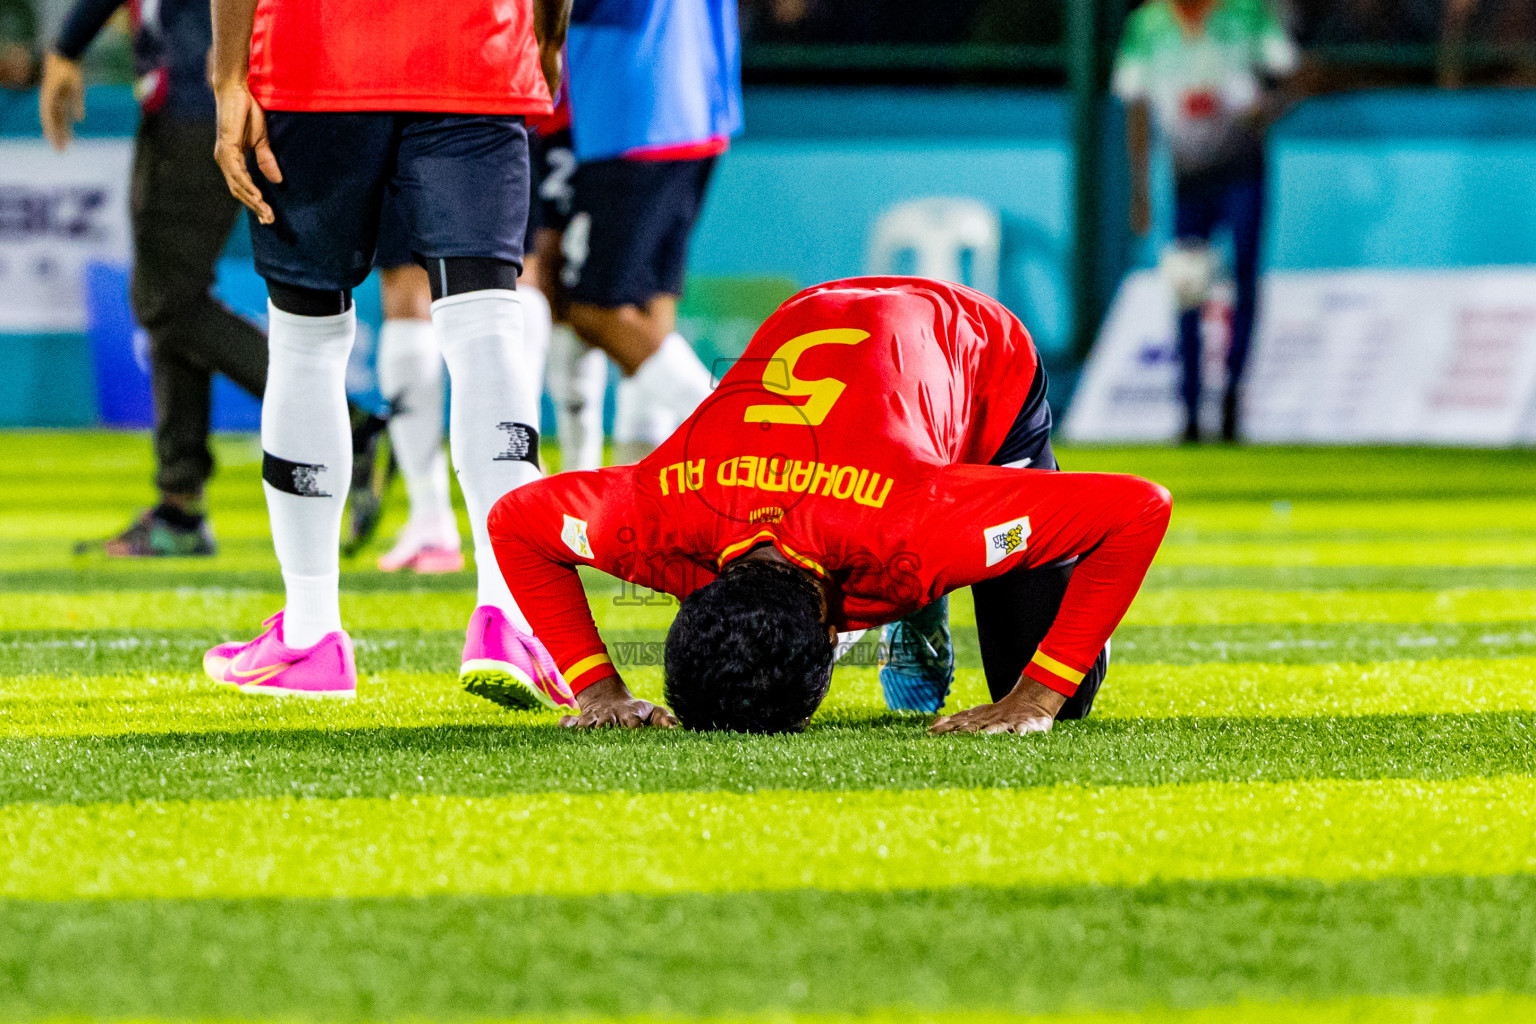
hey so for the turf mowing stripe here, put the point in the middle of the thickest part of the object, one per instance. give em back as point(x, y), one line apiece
point(959, 951)
point(217, 575)
point(1248, 606)
point(1446, 515)
point(894, 755)
point(240, 612)
point(1448, 686)
point(1319, 474)
point(1350, 551)
point(187, 702)
point(725, 842)
point(1495, 1008)
point(1498, 1008)
point(1306, 643)
point(102, 652)
point(1336, 577)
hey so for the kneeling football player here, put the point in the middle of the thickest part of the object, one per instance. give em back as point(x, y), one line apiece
point(882, 442)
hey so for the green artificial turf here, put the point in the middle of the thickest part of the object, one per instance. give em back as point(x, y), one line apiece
point(1305, 794)
point(706, 842)
point(1184, 944)
point(885, 752)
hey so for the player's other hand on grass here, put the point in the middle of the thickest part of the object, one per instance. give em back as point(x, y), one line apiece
point(609, 704)
point(242, 127)
point(1029, 707)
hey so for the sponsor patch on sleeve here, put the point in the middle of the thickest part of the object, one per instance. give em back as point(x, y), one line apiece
point(574, 533)
point(1004, 540)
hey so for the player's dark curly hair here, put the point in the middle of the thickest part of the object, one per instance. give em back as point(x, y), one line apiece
point(749, 652)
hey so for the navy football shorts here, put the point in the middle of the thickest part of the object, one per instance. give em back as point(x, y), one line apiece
point(554, 167)
point(460, 182)
point(627, 241)
point(1028, 443)
point(393, 248)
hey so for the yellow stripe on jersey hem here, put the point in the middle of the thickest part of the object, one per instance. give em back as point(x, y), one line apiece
point(586, 665)
point(732, 550)
point(1055, 667)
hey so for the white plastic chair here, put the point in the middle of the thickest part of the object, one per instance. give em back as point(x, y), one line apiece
point(939, 231)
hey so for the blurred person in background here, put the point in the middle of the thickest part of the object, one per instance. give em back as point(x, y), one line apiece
point(1207, 72)
point(576, 373)
point(18, 38)
point(409, 364)
point(182, 214)
point(655, 93)
point(1506, 28)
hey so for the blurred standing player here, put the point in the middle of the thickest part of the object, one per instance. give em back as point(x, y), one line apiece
point(410, 372)
point(1208, 71)
point(410, 361)
point(182, 215)
point(655, 92)
point(577, 373)
point(318, 95)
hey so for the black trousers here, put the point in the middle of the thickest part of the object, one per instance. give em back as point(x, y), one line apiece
point(182, 214)
point(1015, 611)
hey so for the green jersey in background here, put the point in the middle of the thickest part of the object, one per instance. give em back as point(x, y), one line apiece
point(1204, 83)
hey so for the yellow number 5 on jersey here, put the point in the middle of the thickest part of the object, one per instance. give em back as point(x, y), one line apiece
point(779, 376)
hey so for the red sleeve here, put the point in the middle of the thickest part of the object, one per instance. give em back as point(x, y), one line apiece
point(1029, 518)
point(540, 533)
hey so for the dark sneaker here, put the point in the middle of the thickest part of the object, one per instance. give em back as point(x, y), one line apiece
point(918, 662)
point(373, 466)
point(154, 535)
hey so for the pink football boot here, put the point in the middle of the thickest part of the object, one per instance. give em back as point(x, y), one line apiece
point(268, 666)
point(426, 549)
point(505, 665)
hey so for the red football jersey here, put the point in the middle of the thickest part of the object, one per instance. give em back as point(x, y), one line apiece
point(853, 435)
point(441, 56)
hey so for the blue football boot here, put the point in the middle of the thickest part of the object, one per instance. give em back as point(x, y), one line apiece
point(918, 659)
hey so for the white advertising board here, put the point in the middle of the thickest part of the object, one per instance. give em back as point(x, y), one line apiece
point(59, 212)
point(1365, 357)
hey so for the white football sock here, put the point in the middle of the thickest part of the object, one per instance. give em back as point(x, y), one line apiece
point(578, 382)
point(308, 442)
point(491, 413)
point(675, 377)
point(411, 379)
point(538, 324)
point(661, 394)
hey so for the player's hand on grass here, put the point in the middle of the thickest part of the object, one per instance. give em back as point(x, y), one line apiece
point(60, 99)
point(242, 127)
point(609, 704)
point(1029, 707)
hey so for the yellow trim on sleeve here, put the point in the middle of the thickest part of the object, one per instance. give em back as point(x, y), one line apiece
point(587, 665)
point(1055, 667)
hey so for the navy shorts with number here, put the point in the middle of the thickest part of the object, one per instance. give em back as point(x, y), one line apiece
point(627, 241)
point(460, 182)
point(554, 165)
